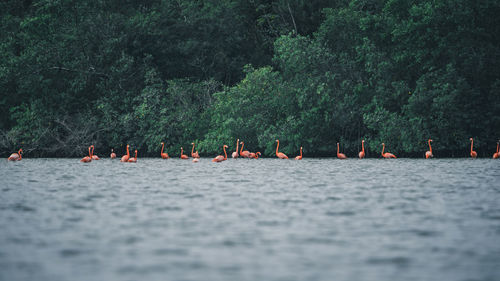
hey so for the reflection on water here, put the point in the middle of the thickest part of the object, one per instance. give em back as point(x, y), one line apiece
point(266, 219)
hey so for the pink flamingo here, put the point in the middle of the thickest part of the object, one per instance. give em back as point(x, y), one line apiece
point(126, 157)
point(113, 154)
point(300, 156)
point(387, 154)
point(495, 155)
point(428, 154)
point(183, 156)
point(94, 157)
point(280, 155)
point(163, 155)
point(235, 153)
point(473, 154)
point(221, 158)
point(88, 159)
point(194, 154)
point(245, 153)
point(16, 156)
point(340, 155)
point(254, 155)
point(133, 159)
point(362, 152)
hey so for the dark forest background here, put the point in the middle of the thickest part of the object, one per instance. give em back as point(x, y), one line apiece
point(309, 72)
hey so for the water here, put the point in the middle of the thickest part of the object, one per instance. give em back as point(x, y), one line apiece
point(266, 219)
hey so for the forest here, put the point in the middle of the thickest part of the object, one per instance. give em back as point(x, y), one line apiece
point(310, 73)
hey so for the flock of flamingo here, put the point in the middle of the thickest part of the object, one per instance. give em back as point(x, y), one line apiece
point(246, 154)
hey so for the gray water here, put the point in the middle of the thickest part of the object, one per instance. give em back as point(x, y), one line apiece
point(266, 219)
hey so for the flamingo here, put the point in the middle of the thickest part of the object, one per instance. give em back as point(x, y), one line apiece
point(221, 158)
point(496, 154)
point(254, 155)
point(133, 159)
point(428, 154)
point(195, 154)
point(163, 155)
point(16, 156)
point(387, 154)
point(235, 153)
point(340, 155)
point(362, 152)
point(245, 153)
point(473, 154)
point(280, 155)
point(300, 156)
point(94, 157)
point(88, 159)
point(196, 160)
point(113, 154)
point(183, 156)
point(126, 157)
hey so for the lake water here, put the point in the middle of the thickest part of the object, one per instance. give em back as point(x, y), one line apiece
point(265, 219)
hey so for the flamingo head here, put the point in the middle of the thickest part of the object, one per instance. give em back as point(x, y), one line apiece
point(362, 140)
point(225, 146)
point(128, 146)
point(430, 140)
point(238, 140)
point(470, 139)
point(192, 143)
point(277, 140)
point(383, 143)
point(258, 153)
point(301, 147)
point(162, 143)
point(20, 151)
point(241, 142)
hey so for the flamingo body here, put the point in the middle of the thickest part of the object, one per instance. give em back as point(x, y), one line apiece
point(245, 153)
point(126, 157)
point(16, 156)
point(163, 155)
point(361, 154)
point(340, 155)
point(280, 155)
point(183, 156)
point(88, 159)
point(194, 154)
point(387, 155)
point(133, 159)
point(473, 154)
point(220, 158)
point(428, 154)
point(235, 153)
point(299, 157)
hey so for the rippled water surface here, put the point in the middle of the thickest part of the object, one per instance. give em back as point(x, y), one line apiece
point(266, 219)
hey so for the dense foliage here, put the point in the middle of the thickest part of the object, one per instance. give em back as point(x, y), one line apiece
point(311, 73)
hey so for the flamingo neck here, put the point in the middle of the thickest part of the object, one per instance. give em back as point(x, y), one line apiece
point(383, 148)
point(430, 147)
point(337, 148)
point(128, 152)
point(277, 147)
point(237, 145)
point(162, 145)
point(135, 154)
point(242, 145)
point(225, 153)
point(497, 147)
point(21, 156)
point(363, 146)
point(471, 145)
point(301, 152)
point(192, 149)
point(182, 151)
